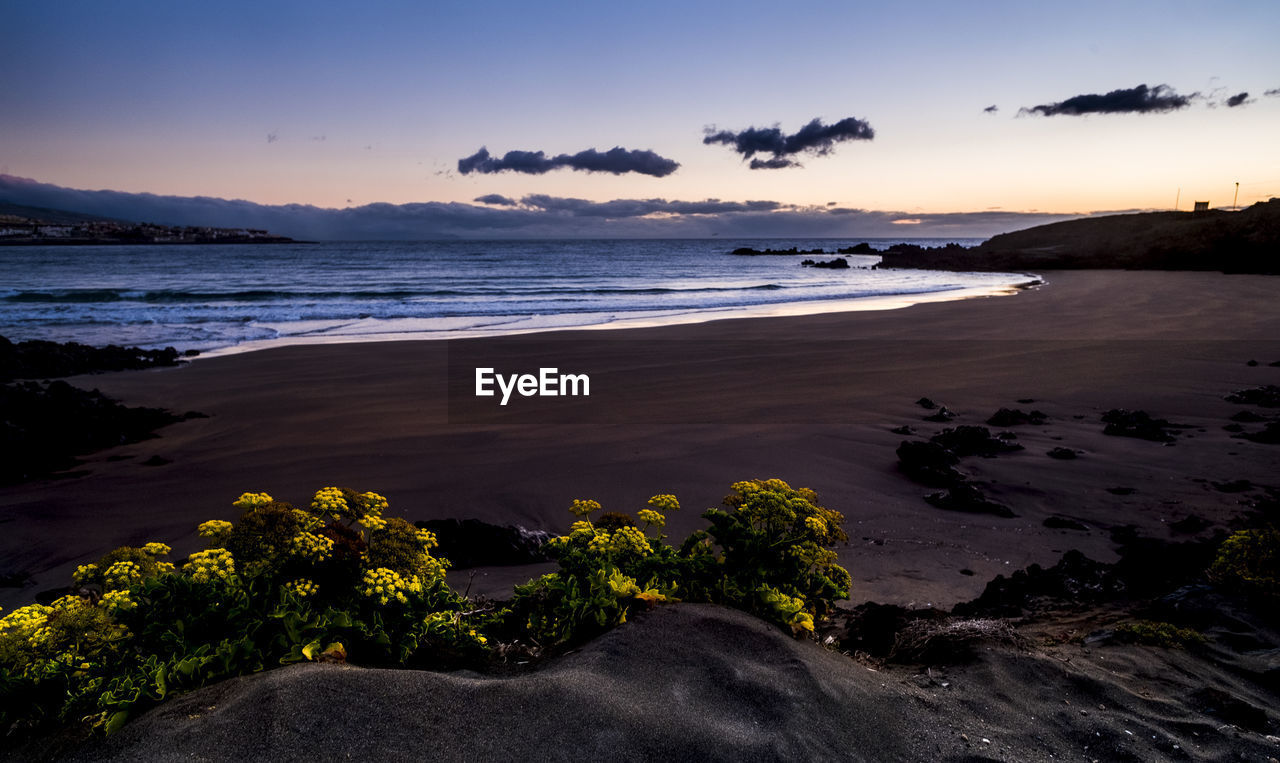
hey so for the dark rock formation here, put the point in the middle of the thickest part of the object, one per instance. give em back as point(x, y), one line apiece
point(1063, 454)
point(1267, 396)
point(1064, 523)
point(38, 359)
point(838, 263)
point(45, 426)
point(1012, 417)
point(1125, 423)
point(973, 441)
point(1268, 436)
point(473, 543)
point(929, 464)
point(968, 498)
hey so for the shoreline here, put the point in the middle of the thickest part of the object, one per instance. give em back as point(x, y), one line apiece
point(645, 319)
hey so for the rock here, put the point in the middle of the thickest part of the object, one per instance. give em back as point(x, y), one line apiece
point(862, 248)
point(1012, 417)
point(46, 426)
point(929, 463)
point(1063, 454)
point(1190, 525)
point(1125, 423)
point(1267, 396)
point(926, 403)
point(1216, 702)
point(966, 497)
point(1064, 523)
point(838, 263)
point(943, 415)
point(38, 359)
point(903, 430)
point(473, 543)
point(1268, 436)
point(973, 441)
point(1248, 417)
point(1233, 486)
point(1074, 579)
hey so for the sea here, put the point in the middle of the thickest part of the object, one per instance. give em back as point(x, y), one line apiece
point(220, 299)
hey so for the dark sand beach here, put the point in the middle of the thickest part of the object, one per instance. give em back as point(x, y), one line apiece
point(691, 409)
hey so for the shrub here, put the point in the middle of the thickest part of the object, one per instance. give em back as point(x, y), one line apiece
point(1249, 560)
point(768, 553)
point(1153, 633)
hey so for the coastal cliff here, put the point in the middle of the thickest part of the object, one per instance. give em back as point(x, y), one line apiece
point(1232, 242)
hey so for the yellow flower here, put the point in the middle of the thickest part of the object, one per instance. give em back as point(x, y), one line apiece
point(117, 601)
point(302, 587)
point(215, 528)
point(427, 539)
point(651, 517)
point(665, 502)
point(156, 549)
point(309, 545)
point(385, 585)
point(121, 575)
point(205, 566)
point(252, 500)
point(630, 539)
point(84, 573)
point(330, 500)
point(583, 508)
point(24, 620)
point(816, 526)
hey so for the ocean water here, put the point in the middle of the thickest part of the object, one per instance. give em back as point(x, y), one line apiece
point(230, 298)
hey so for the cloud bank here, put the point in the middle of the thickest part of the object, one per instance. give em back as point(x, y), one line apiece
point(616, 161)
point(534, 216)
point(814, 138)
point(1134, 100)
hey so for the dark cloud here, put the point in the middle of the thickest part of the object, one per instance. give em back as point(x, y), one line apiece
point(537, 216)
point(991, 109)
point(616, 161)
point(622, 208)
point(1238, 99)
point(814, 138)
point(272, 137)
point(1134, 100)
point(496, 199)
point(1273, 92)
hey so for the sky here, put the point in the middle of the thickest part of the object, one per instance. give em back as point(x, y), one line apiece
point(342, 105)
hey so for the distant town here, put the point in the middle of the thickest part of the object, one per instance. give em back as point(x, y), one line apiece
point(20, 231)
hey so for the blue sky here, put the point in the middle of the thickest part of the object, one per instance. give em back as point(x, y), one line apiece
point(345, 104)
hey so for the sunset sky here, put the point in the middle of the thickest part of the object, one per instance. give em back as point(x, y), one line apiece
point(344, 104)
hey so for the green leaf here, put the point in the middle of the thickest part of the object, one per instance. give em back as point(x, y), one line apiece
point(116, 720)
point(311, 650)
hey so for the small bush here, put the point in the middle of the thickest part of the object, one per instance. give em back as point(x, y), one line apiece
point(1153, 633)
point(1249, 561)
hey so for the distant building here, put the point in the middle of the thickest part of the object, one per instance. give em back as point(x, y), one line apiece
point(1201, 206)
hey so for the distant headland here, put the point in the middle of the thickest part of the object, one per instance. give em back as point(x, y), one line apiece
point(1247, 241)
point(35, 226)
